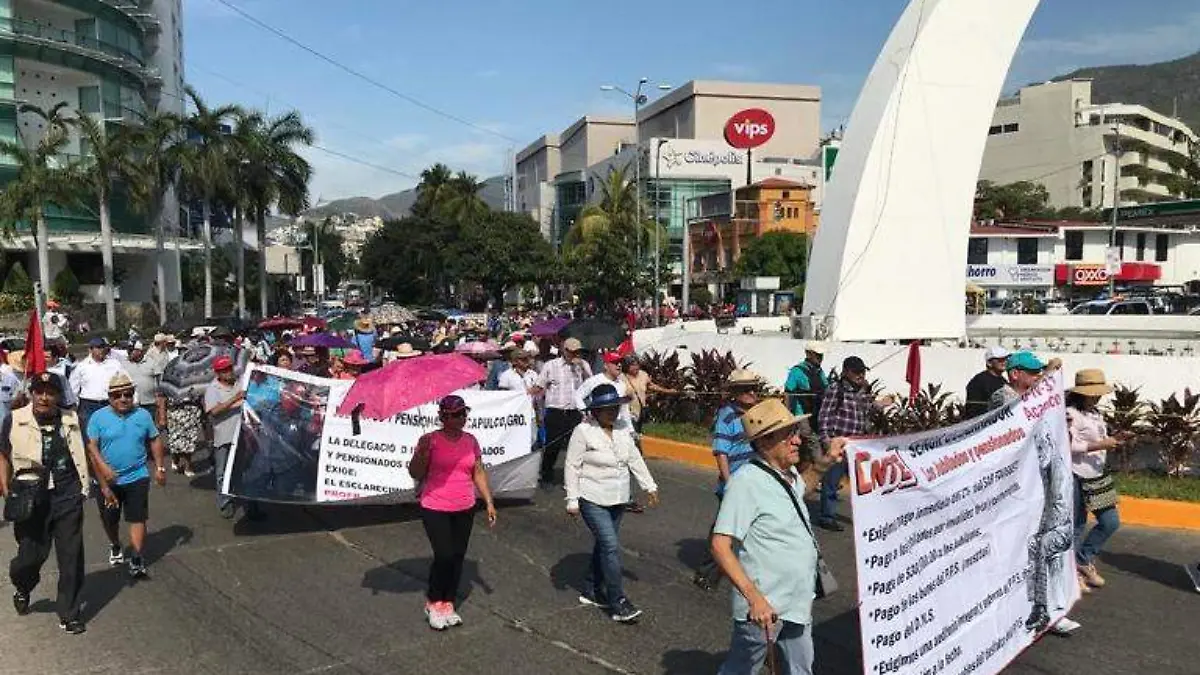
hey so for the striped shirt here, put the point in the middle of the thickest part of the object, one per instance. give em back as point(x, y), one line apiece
point(729, 439)
point(845, 411)
point(561, 380)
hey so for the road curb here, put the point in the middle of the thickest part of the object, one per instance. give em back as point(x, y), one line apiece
point(1160, 513)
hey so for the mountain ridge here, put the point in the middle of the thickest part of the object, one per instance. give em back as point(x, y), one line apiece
point(399, 204)
point(1171, 87)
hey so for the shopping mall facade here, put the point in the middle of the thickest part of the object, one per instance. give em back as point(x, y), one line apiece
point(114, 60)
point(680, 139)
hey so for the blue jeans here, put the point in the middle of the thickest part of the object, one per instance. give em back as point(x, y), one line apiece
point(748, 649)
point(88, 406)
point(829, 490)
point(1107, 523)
point(603, 580)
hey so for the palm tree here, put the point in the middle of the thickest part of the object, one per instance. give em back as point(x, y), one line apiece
point(463, 201)
point(105, 164)
point(615, 213)
point(205, 171)
point(42, 179)
point(433, 189)
point(275, 175)
point(155, 168)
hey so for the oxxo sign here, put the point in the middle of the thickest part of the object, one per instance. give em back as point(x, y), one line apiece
point(1089, 275)
point(749, 128)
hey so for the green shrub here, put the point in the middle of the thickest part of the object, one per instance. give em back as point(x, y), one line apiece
point(18, 282)
point(65, 287)
point(10, 303)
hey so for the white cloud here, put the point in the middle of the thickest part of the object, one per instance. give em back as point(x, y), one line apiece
point(1127, 44)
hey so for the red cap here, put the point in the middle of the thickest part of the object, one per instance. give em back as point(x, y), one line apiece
point(612, 357)
point(222, 363)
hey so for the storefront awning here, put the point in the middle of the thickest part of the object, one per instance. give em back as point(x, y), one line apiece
point(1097, 275)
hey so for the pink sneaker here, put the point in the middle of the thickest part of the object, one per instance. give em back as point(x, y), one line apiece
point(436, 615)
point(451, 616)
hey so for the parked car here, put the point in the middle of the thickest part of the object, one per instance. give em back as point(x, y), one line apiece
point(1057, 307)
point(1110, 307)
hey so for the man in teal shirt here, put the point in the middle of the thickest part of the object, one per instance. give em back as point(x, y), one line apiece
point(806, 382)
point(773, 594)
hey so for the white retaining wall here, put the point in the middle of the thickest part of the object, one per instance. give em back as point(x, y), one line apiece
point(771, 355)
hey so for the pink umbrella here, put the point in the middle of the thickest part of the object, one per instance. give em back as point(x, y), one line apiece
point(478, 348)
point(406, 383)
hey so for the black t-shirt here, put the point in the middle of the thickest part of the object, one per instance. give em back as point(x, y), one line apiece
point(56, 453)
point(979, 392)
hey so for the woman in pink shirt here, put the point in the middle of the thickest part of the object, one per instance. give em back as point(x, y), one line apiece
point(448, 466)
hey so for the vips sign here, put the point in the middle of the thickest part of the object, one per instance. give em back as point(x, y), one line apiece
point(1011, 275)
point(963, 538)
point(749, 128)
point(293, 447)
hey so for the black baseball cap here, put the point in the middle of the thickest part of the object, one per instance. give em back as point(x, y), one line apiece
point(46, 381)
point(854, 364)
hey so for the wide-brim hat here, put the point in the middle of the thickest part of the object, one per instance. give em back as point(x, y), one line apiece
point(743, 379)
point(1091, 382)
point(16, 360)
point(768, 417)
point(405, 351)
point(364, 324)
point(816, 347)
point(604, 396)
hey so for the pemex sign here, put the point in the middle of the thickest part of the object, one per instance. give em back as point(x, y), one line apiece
point(749, 128)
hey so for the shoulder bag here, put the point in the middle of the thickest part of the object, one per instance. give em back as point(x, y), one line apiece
point(26, 491)
point(826, 582)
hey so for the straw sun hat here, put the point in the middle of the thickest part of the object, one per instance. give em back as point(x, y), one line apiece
point(768, 417)
point(1090, 382)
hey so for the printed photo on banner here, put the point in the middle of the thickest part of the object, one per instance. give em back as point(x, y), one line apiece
point(963, 538)
point(280, 440)
point(294, 447)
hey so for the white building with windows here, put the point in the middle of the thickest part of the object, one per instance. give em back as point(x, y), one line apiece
point(1160, 248)
point(114, 60)
point(1053, 134)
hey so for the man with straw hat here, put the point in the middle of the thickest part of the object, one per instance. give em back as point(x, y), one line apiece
point(731, 449)
point(774, 565)
point(364, 337)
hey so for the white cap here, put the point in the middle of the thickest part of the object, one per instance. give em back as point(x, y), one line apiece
point(816, 347)
point(531, 347)
point(996, 352)
point(138, 345)
point(198, 331)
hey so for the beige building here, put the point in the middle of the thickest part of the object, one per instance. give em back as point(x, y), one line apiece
point(1054, 135)
point(559, 173)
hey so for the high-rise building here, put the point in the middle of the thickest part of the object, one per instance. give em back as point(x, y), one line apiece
point(115, 60)
point(1053, 134)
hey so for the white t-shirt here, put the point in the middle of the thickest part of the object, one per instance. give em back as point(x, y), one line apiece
point(511, 380)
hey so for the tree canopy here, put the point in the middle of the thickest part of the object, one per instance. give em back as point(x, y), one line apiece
point(1023, 200)
point(776, 254)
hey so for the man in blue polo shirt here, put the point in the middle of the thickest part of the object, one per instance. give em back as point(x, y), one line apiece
point(731, 450)
point(117, 438)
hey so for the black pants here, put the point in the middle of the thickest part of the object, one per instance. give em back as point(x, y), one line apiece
point(559, 425)
point(708, 568)
point(59, 524)
point(449, 534)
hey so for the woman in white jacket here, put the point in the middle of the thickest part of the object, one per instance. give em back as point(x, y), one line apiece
point(600, 458)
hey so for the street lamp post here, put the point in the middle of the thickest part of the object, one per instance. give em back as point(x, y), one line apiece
point(657, 227)
point(638, 99)
point(1112, 231)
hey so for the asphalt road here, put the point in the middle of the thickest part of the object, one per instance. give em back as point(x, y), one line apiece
point(339, 592)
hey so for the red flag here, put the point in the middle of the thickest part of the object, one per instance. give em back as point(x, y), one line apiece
point(35, 349)
point(912, 371)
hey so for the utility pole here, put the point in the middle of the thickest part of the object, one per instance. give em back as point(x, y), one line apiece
point(657, 227)
point(1113, 270)
point(638, 99)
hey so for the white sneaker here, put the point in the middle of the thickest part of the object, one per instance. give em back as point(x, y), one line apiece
point(1065, 626)
point(1193, 572)
point(433, 613)
point(116, 556)
point(451, 616)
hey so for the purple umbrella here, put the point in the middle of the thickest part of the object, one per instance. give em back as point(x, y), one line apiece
point(322, 340)
point(549, 327)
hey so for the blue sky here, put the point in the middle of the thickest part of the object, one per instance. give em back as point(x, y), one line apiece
point(520, 68)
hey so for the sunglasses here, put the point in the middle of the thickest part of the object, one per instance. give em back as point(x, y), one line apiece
point(121, 394)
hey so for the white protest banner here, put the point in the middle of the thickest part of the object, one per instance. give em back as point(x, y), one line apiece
point(293, 447)
point(964, 538)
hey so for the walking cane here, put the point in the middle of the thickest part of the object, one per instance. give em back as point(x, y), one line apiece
point(772, 668)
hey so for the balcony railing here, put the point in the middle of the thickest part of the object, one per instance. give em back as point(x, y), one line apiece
point(38, 31)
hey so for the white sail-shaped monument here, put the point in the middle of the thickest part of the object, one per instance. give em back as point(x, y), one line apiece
point(889, 259)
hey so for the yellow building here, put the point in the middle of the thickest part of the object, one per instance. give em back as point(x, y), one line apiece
point(716, 240)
